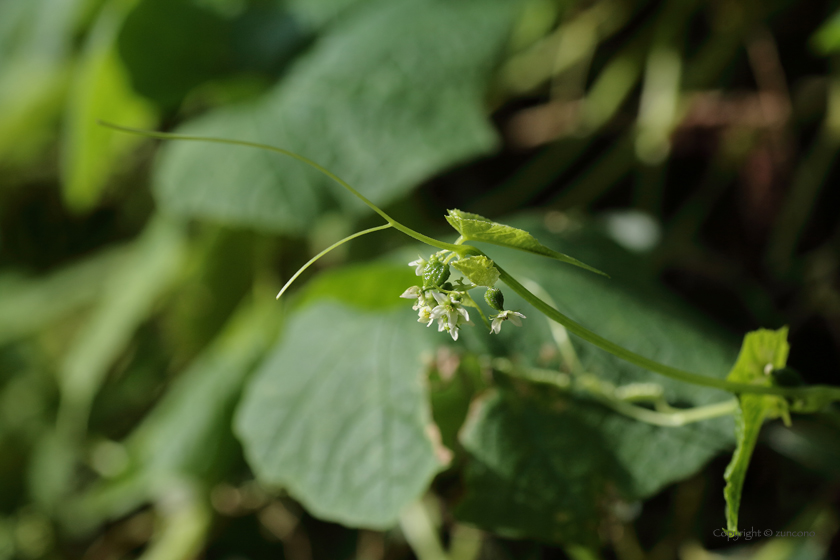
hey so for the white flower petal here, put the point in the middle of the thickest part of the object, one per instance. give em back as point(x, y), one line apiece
point(442, 299)
point(419, 265)
point(411, 293)
point(514, 319)
point(452, 319)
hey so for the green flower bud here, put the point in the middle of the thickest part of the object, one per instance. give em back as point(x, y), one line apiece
point(787, 377)
point(495, 299)
point(435, 273)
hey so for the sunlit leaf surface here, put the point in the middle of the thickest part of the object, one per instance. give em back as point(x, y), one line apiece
point(385, 99)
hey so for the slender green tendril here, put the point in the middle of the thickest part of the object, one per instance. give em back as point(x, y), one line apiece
point(460, 249)
point(327, 250)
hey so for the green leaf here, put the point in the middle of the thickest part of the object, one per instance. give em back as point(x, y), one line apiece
point(338, 414)
point(536, 473)
point(320, 12)
point(374, 286)
point(349, 105)
point(763, 350)
point(479, 270)
point(635, 311)
point(191, 45)
point(100, 91)
point(473, 227)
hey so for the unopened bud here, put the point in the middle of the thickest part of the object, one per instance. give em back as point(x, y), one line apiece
point(495, 299)
point(435, 273)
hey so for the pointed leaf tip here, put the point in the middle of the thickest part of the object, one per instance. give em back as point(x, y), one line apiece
point(473, 227)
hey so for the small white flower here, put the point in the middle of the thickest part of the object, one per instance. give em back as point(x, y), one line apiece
point(450, 314)
point(419, 265)
point(426, 316)
point(411, 293)
point(514, 316)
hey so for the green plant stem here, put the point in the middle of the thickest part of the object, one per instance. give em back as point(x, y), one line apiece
point(327, 250)
point(819, 391)
point(420, 532)
point(462, 250)
point(606, 395)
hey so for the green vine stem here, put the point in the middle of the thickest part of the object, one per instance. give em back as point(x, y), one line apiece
point(609, 396)
point(621, 399)
point(820, 393)
point(463, 250)
point(815, 391)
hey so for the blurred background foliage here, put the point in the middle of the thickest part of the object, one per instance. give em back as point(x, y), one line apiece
point(156, 402)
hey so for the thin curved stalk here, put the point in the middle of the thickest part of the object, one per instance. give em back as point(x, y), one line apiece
point(460, 249)
point(327, 250)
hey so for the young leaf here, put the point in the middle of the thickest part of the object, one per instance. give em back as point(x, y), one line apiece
point(479, 270)
point(763, 351)
point(473, 227)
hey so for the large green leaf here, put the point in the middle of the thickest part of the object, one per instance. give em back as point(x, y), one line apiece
point(536, 472)
point(352, 286)
point(320, 12)
point(385, 99)
point(191, 45)
point(631, 310)
point(473, 227)
point(100, 91)
point(762, 352)
point(338, 414)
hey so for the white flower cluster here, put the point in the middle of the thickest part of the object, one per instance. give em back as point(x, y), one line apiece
point(440, 301)
point(446, 309)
